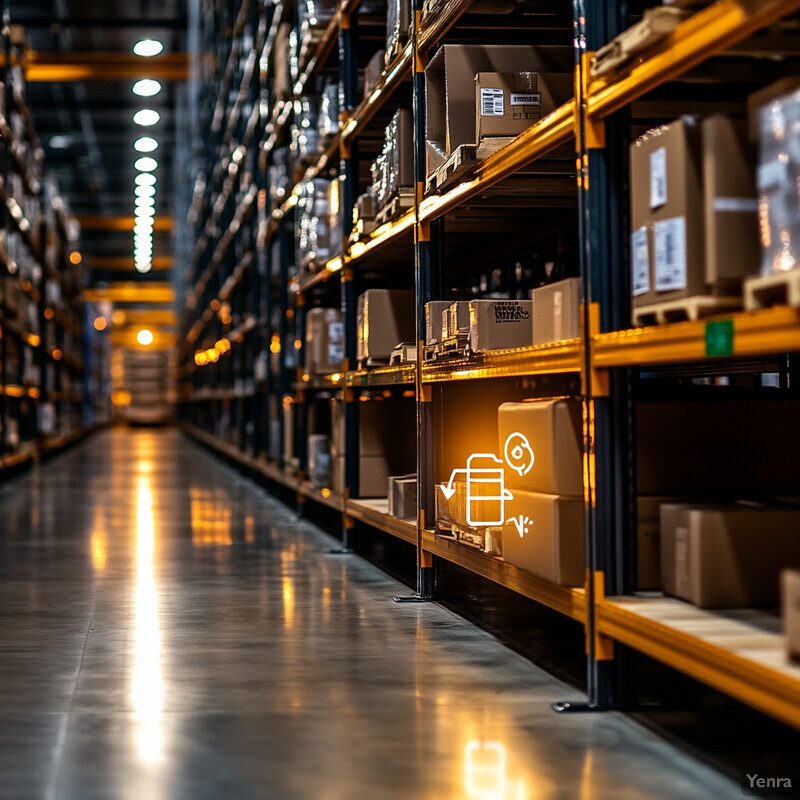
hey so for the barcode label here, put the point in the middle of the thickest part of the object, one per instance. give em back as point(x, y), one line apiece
point(736, 205)
point(335, 342)
point(670, 254)
point(531, 99)
point(640, 262)
point(492, 104)
point(658, 177)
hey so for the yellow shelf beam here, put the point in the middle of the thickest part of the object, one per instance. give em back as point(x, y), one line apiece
point(755, 333)
point(97, 66)
point(125, 263)
point(693, 41)
point(130, 292)
point(100, 222)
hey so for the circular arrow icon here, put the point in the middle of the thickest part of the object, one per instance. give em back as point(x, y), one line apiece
point(519, 453)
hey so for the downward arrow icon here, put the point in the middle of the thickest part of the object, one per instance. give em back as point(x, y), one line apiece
point(449, 490)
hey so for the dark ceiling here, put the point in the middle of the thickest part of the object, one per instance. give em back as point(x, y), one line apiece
point(93, 118)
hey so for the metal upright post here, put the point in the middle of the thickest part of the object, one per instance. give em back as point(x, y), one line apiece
point(607, 417)
point(348, 90)
point(428, 280)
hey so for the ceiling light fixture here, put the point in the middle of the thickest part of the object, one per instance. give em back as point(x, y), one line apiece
point(145, 144)
point(144, 337)
point(146, 117)
point(146, 87)
point(145, 164)
point(145, 202)
point(143, 267)
point(145, 179)
point(145, 191)
point(147, 48)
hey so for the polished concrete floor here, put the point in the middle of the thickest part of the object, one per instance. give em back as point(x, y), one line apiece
point(171, 633)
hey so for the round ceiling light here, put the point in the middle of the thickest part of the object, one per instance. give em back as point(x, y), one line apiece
point(145, 179)
point(146, 87)
point(147, 48)
point(146, 117)
point(145, 144)
point(145, 164)
point(144, 337)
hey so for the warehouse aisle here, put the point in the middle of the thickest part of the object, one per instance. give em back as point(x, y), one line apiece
point(170, 633)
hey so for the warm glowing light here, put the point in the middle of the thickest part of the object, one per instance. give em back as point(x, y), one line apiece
point(49, 313)
point(144, 337)
point(57, 355)
point(118, 317)
point(144, 227)
point(145, 179)
point(146, 117)
point(34, 340)
point(485, 770)
point(145, 191)
point(100, 323)
point(288, 602)
point(212, 354)
point(145, 164)
point(275, 344)
point(215, 304)
point(298, 343)
point(146, 87)
point(200, 358)
point(145, 144)
point(74, 257)
point(211, 520)
point(336, 377)
point(147, 48)
point(223, 345)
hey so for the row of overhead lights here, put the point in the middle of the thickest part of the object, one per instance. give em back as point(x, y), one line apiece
point(145, 165)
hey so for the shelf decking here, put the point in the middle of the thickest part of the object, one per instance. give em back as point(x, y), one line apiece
point(542, 359)
point(375, 512)
point(702, 35)
point(738, 652)
point(564, 599)
point(326, 497)
point(401, 375)
point(752, 333)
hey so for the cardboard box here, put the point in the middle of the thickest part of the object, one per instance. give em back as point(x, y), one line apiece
point(718, 448)
point(398, 21)
point(507, 103)
point(499, 324)
point(385, 318)
point(733, 248)
point(388, 427)
point(457, 319)
point(433, 320)
point(557, 311)
point(727, 556)
point(337, 427)
point(544, 534)
point(403, 496)
point(553, 442)
point(450, 88)
point(790, 610)
point(324, 341)
point(393, 170)
point(648, 540)
point(373, 72)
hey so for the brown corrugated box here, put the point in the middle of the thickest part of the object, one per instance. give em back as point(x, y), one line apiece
point(450, 88)
point(790, 611)
point(324, 341)
point(507, 103)
point(547, 537)
point(433, 320)
point(733, 248)
point(402, 493)
point(648, 540)
point(727, 556)
point(499, 324)
point(385, 318)
point(718, 448)
point(556, 311)
point(553, 429)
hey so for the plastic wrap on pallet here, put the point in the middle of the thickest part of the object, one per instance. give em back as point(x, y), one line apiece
point(279, 175)
point(391, 170)
point(305, 138)
point(313, 234)
point(398, 21)
point(777, 179)
point(328, 124)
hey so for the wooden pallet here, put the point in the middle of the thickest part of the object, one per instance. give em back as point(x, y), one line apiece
point(685, 309)
point(395, 207)
point(458, 164)
point(762, 291)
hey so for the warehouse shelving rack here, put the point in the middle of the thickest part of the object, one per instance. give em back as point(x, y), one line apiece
point(738, 653)
point(42, 374)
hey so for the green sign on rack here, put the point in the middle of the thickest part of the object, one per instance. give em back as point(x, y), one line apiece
point(719, 338)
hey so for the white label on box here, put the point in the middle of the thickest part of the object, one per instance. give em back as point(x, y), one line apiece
point(658, 177)
point(492, 104)
point(531, 99)
point(640, 262)
point(335, 342)
point(772, 175)
point(670, 256)
point(742, 205)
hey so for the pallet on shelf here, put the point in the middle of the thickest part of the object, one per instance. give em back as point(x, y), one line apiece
point(685, 309)
point(763, 291)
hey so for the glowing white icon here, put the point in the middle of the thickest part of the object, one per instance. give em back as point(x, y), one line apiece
point(486, 491)
point(519, 453)
point(522, 524)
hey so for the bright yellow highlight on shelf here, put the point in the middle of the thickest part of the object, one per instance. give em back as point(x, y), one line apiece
point(100, 323)
point(223, 345)
point(74, 257)
point(212, 354)
point(144, 337)
point(200, 358)
point(275, 344)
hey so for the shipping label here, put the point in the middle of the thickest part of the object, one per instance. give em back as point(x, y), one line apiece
point(670, 254)
point(510, 312)
point(335, 342)
point(640, 262)
point(529, 99)
point(736, 205)
point(658, 177)
point(492, 103)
